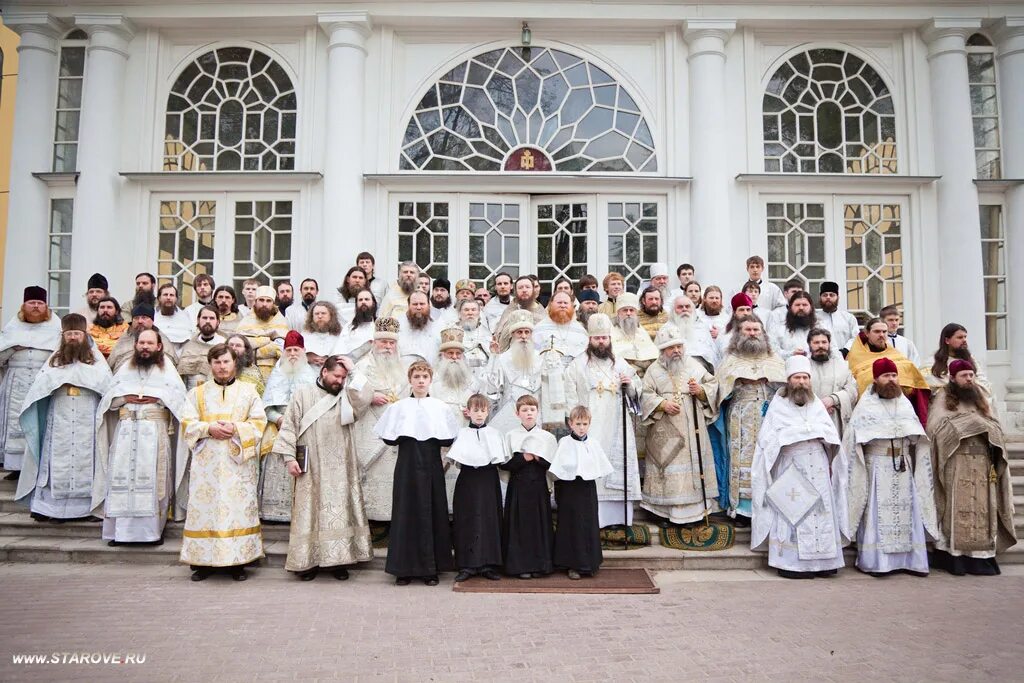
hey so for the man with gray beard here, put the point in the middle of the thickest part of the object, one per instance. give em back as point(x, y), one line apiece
point(396, 301)
point(590, 301)
point(476, 337)
point(525, 300)
point(748, 378)
point(519, 371)
point(630, 341)
point(676, 388)
point(695, 334)
point(385, 374)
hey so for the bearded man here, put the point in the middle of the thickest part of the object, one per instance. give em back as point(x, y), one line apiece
point(589, 301)
point(396, 302)
point(842, 324)
point(124, 349)
point(296, 316)
point(441, 310)
point(831, 378)
point(597, 379)
point(108, 326)
point(629, 341)
point(973, 491)
point(192, 364)
point(357, 335)
point(712, 311)
point(322, 330)
point(791, 336)
point(386, 378)
point(494, 308)
point(285, 296)
point(58, 419)
point(872, 344)
point(892, 497)
point(559, 331)
point(418, 338)
point(742, 307)
point(202, 288)
point(171, 320)
point(476, 337)
point(522, 370)
point(953, 346)
point(454, 383)
point(699, 344)
point(97, 288)
point(265, 329)
point(140, 461)
point(353, 283)
point(652, 314)
point(659, 283)
point(525, 300)
point(748, 377)
point(800, 508)
point(145, 295)
point(226, 301)
point(290, 373)
point(25, 344)
point(679, 399)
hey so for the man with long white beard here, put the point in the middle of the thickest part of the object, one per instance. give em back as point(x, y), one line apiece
point(192, 364)
point(145, 295)
point(790, 337)
point(679, 399)
point(322, 330)
point(799, 483)
point(747, 379)
point(25, 344)
point(97, 288)
point(290, 373)
point(59, 421)
point(124, 349)
point(202, 289)
point(973, 491)
point(396, 302)
point(418, 337)
point(699, 344)
point(454, 383)
point(892, 495)
point(476, 337)
point(559, 331)
point(171, 320)
point(108, 326)
point(525, 300)
point(653, 311)
point(265, 329)
point(140, 459)
point(629, 341)
point(831, 378)
point(597, 379)
point(523, 370)
point(357, 336)
point(589, 301)
point(382, 367)
point(842, 324)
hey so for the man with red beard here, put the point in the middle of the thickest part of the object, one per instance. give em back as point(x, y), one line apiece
point(396, 302)
point(790, 337)
point(559, 330)
point(59, 421)
point(712, 311)
point(265, 328)
point(973, 493)
point(25, 344)
point(418, 339)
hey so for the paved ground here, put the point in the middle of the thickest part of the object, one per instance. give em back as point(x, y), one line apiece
point(720, 626)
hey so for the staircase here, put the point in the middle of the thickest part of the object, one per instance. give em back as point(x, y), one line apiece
point(22, 539)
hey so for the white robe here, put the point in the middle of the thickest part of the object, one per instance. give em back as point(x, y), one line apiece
point(570, 339)
point(842, 324)
point(177, 327)
point(275, 484)
point(354, 342)
point(833, 379)
point(376, 459)
point(421, 344)
point(24, 347)
point(584, 459)
point(493, 311)
point(786, 342)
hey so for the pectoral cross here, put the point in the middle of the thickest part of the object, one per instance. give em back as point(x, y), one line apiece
point(793, 495)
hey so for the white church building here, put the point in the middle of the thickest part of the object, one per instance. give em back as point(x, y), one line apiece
point(877, 145)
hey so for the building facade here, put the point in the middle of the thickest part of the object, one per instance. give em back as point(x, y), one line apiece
point(878, 146)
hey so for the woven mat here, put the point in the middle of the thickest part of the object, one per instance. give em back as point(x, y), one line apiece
point(715, 536)
point(612, 539)
point(621, 581)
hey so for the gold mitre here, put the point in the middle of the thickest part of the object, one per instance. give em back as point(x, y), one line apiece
point(385, 328)
point(451, 338)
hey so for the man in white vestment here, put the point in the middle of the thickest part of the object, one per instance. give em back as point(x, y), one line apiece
point(679, 485)
point(494, 308)
point(171, 320)
point(142, 319)
point(290, 373)
point(776, 317)
point(699, 344)
point(890, 315)
point(442, 312)
point(842, 324)
point(58, 419)
point(559, 330)
point(193, 367)
point(97, 288)
point(418, 337)
point(377, 286)
point(799, 481)
point(202, 288)
point(597, 379)
point(26, 342)
point(297, 314)
point(329, 527)
point(222, 423)
point(140, 461)
point(476, 337)
point(356, 336)
point(892, 492)
point(831, 378)
point(630, 342)
point(385, 375)
point(790, 336)
point(321, 332)
point(396, 302)
point(713, 311)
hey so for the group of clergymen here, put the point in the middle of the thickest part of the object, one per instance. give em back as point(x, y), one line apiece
point(450, 420)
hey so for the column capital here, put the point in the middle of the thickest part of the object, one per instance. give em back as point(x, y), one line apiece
point(708, 36)
point(1009, 36)
point(944, 36)
point(346, 29)
point(111, 32)
point(38, 30)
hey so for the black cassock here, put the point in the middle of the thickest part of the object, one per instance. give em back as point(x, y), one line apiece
point(528, 532)
point(420, 540)
point(578, 536)
point(476, 508)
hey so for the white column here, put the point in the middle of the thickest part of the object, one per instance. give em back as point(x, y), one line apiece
point(97, 209)
point(961, 294)
point(1010, 65)
point(343, 153)
point(28, 214)
point(710, 230)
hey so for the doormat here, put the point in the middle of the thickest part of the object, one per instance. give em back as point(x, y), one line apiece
point(608, 581)
point(715, 536)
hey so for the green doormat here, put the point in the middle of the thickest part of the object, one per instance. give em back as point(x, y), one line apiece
point(379, 534)
point(614, 538)
point(715, 536)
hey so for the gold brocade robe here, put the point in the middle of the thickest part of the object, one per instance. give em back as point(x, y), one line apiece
point(106, 337)
point(652, 323)
point(222, 526)
point(861, 358)
point(267, 349)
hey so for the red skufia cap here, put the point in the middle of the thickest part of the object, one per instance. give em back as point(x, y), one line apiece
point(958, 366)
point(293, 338)
point(741, 299)
point(882, 366)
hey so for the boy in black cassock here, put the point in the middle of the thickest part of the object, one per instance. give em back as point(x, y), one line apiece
point(577, 463)
point(420, 540)
point(528, 534)
point(476, 506)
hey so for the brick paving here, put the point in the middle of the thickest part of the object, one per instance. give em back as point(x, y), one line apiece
point(709, 625)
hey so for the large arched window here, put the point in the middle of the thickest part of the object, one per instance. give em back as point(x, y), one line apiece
point(828, 111)
point(232, 109)
point(521, 109)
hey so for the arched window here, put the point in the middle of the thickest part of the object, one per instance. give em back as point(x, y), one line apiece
point(981, 73)
point(233, 108)
point(828, 111)
point(522, 109)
